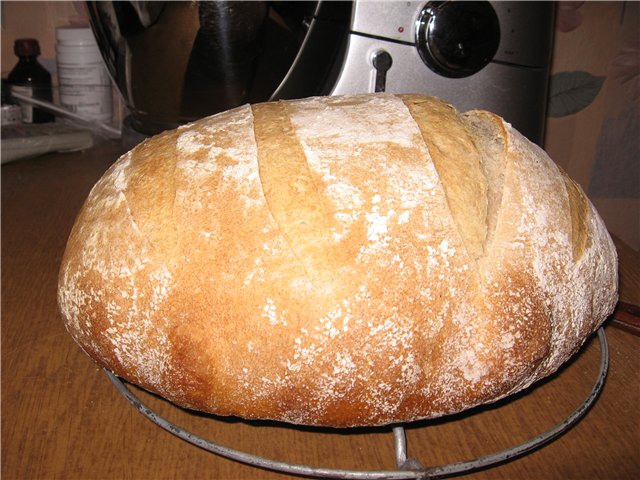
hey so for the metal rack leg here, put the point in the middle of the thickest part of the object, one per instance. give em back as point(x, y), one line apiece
point(400, 443)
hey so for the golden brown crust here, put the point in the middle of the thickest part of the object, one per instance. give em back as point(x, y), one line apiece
point(336, 261)
point(459, 166)
point(290, 192)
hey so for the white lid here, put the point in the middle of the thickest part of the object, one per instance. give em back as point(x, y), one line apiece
point(75, 35)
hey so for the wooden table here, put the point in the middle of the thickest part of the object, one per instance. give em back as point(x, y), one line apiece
point(62, 418)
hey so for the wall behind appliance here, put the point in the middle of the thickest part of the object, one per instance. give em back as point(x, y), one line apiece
point(34, 20)
point(596, 71)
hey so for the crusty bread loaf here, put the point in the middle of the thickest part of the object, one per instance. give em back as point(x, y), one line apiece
point(337, 261)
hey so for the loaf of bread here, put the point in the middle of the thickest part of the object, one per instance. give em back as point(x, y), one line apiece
point(337, 261)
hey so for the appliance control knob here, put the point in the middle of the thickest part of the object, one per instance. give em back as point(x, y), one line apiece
point(457, 39)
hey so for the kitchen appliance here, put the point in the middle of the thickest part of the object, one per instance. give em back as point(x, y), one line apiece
point(174, 62)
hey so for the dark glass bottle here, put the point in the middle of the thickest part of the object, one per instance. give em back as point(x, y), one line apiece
point(31, 79)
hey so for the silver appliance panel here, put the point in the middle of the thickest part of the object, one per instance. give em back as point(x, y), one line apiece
point(517, 94)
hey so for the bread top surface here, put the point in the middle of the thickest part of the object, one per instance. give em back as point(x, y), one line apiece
point(339, 261)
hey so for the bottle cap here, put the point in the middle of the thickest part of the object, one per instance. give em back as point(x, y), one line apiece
point(75, 35)
point(26, 47)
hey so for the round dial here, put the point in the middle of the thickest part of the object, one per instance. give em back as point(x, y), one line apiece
point(457, 39)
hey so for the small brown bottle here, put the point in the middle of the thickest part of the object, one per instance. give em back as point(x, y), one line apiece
point(31, 79)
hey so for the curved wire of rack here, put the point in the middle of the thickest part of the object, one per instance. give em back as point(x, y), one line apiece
point(408, 468)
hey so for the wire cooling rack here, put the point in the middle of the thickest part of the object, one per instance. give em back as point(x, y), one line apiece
point(407, 468)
